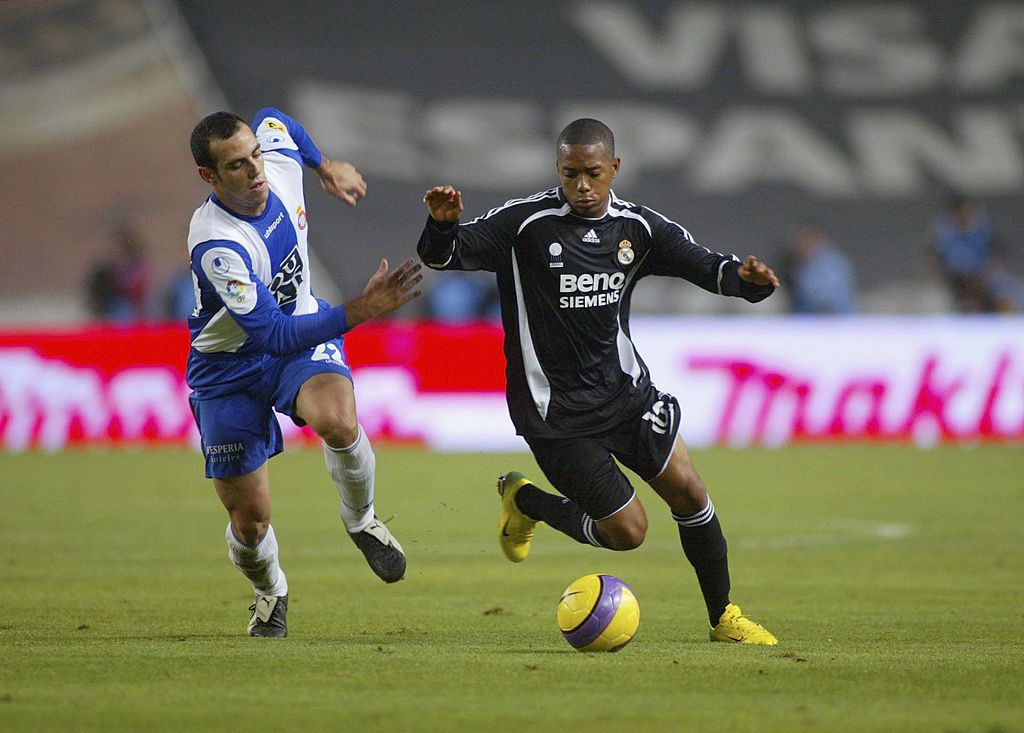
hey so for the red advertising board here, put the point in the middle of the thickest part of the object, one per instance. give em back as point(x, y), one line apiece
point(740, 381)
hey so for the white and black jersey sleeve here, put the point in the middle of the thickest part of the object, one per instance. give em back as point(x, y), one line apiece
point(674, 253)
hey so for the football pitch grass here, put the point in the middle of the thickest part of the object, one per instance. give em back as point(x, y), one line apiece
point(892, 576)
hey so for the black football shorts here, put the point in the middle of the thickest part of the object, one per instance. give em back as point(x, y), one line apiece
point(584, 468)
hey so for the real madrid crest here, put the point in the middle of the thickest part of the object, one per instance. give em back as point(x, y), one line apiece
point(625, 253)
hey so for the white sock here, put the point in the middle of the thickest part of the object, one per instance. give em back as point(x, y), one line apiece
point(352, 470)
point(258, 562)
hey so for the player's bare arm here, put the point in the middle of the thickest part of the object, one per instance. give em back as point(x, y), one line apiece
point(385, 292)
point(754, 271)
point(444, 203)
point(341, 180)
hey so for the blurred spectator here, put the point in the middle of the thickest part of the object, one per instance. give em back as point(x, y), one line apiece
point(1007, 291)
point(820, 276)
point(118, 287)
point(967, 250)
point(458, 298)
point(180, 296)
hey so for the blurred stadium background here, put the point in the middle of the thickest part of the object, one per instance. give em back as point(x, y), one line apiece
point(891, 574)
point(742, 122)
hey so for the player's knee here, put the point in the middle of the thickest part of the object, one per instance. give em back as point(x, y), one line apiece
point(338, 428)
point(695, 497)
point(687, 495)
point(626, 536)
point(632, 539)
point(690, 482)
point(250, 531)
point(250, 527)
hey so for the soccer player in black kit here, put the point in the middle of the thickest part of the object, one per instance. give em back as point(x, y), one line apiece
point(567, 260)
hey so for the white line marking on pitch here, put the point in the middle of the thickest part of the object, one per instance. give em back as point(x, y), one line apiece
point(849, 531)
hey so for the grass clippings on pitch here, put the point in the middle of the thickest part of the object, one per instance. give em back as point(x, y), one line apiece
point(892, 576)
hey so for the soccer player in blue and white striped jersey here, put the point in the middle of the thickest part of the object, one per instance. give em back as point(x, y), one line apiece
point(261, 341)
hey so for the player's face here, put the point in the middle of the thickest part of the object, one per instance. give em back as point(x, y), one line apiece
point(238, 180)
point(586, 172)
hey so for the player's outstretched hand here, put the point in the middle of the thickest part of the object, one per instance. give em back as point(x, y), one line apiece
point(341, 180)
point(444, 203)
point(754, 271)
point(385, 292)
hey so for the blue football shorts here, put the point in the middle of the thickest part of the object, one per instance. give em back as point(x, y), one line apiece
point(239, 430)
point(585, 469)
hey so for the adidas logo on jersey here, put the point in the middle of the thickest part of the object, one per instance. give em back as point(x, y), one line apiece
point(591, 238)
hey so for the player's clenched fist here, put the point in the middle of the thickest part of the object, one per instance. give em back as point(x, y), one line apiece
point(444, 203)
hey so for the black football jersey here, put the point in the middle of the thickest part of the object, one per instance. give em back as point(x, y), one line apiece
point(565, 284)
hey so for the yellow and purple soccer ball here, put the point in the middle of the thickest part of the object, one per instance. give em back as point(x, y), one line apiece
point(598, 613)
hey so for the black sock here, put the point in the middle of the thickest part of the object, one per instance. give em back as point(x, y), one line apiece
point(704, 545)
point(563, 514)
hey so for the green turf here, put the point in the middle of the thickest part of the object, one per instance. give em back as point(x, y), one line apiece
point(892, 576)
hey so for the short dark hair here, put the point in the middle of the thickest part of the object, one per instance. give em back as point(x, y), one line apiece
point(587, 131)
point(220, 125)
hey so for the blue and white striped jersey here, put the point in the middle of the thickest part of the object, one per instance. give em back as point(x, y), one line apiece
point(252, 273)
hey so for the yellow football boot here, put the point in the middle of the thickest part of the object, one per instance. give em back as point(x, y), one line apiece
point(515, 529)
point(734, 627)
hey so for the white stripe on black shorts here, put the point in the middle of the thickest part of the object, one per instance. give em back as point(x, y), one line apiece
point(585, 470)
